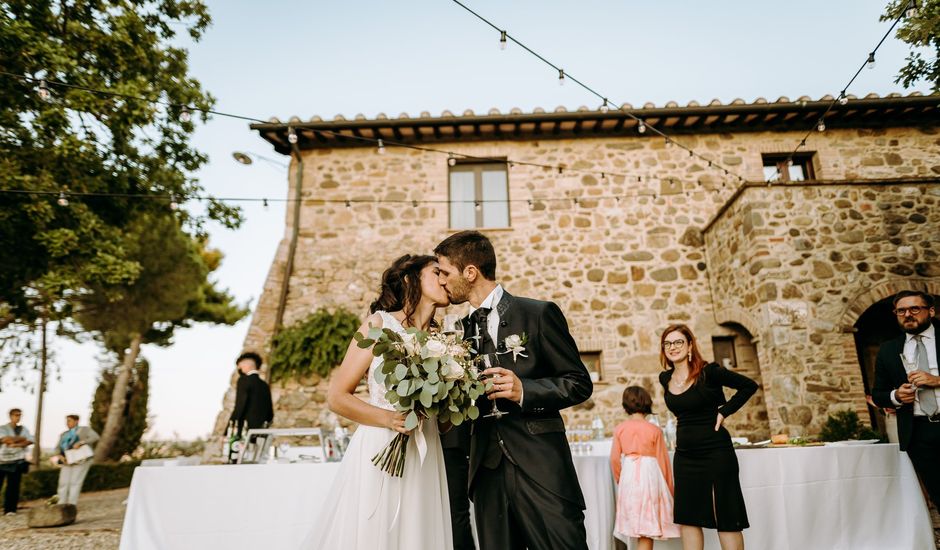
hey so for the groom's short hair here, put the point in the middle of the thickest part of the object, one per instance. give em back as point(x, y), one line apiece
point(469, 248)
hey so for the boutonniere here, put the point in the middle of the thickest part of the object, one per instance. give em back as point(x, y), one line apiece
point(515, 344)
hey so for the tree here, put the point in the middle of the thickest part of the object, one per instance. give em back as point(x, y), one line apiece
point(920, 28)
point(134, 423)
point(56, 137)
point(171, 291)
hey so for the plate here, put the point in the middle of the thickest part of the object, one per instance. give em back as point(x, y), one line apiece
point(851, 442)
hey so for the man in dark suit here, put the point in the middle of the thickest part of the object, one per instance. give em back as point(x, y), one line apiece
point(911, 385)
point(252, 394)
point(522, 480)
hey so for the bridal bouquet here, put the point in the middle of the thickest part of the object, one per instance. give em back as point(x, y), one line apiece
point(425, 374)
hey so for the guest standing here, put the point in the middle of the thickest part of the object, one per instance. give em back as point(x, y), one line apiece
point(14, 439)
point(252, 395)
point(640, 462)
point(72, 475)
point(914, 392)
point(708, 492)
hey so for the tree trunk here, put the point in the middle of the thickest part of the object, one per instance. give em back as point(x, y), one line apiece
point(112, 425)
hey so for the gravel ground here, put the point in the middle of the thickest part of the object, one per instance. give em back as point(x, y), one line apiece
point(100, 516)
point(98, 527)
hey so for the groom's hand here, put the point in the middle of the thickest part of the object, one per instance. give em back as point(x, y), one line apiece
point(506, 385)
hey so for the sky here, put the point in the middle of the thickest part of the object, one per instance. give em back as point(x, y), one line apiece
point(283, 58)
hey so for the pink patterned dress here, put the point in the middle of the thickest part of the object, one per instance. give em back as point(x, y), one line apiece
point(640, 463)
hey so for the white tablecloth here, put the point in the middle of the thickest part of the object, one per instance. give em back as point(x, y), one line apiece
point(805, 498)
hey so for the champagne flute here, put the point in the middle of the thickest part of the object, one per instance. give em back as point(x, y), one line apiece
point(494, 410)
point(452, 325)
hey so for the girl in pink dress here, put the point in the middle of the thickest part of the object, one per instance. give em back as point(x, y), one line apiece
point(640, 463)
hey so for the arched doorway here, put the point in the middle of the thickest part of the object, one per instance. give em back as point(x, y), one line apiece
point(736, 351)
point(873, 328)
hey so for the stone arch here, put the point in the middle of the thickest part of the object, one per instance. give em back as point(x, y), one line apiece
point(752, 421)
point(860, 304)
point(734, 315)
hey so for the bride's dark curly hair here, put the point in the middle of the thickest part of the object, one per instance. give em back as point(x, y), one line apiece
point(401, 286)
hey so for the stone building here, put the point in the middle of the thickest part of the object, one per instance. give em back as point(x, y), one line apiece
point(785, 281)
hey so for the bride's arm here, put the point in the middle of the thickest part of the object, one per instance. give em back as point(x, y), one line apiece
point(341, 396)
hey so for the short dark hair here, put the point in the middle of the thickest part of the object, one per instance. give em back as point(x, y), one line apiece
point(73, 417)
point(927, 298)
point(637, 400)
point(16, 411)
point(469, 248)
point(250, 355)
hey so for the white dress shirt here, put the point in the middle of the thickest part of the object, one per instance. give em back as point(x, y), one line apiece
point(492, 319)
point(929, 337)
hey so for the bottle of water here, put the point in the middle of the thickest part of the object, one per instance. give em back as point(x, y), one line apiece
point(597, 427)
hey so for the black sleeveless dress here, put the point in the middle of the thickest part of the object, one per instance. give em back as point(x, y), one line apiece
point(708, 491)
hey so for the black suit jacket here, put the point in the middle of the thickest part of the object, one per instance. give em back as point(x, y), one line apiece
point(889, 375)
point(252, 402)
point(553, 378)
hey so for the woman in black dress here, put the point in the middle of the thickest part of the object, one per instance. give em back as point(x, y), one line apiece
point(708, 492)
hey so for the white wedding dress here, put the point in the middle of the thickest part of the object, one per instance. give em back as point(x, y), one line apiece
point(367, 509)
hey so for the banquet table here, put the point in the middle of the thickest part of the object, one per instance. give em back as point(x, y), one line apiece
point(823, 497)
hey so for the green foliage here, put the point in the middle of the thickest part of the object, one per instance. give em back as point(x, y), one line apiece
point(43, 483)
point(92, 143)
point(922, 33)
point(845, 426)
point(315, 345)
point(170, 448)
point(135, 408)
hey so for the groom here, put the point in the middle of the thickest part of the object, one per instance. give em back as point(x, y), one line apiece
point(521, 478)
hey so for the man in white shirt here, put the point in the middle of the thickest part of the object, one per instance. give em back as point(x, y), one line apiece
point(14, 439)
point(907, 379)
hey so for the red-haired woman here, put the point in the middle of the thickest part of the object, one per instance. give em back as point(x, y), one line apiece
point(707, 489)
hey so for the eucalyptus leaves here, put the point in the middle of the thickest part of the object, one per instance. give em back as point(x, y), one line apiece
point(426, 374)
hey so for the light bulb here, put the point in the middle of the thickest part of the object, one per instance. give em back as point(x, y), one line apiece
point(911, 10)
point(604, 107)
point(185, 115)
point(63, 200)
point(451, 160)
point(843, 99)
point(603, 177)
point(264, 203)
point(348, 204)
point(531, 205)
point(561, 77)
point(44, 93)
point(821, 126)
point(641, 127)
point(174, 205)
point(381, 146)
point(477, 206)
point(789, 162)
point(291, 136)
point(502, 40)
point(414, 204)
point(871, 60)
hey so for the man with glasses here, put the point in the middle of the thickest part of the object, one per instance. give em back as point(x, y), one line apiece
point(906, 379)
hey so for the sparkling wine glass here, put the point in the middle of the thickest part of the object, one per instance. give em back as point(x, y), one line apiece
point(452, 325)
point(487, 359)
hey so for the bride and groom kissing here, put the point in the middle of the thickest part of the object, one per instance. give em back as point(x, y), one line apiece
point(516, 467)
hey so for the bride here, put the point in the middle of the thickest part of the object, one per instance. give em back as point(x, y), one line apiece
point(366, 508)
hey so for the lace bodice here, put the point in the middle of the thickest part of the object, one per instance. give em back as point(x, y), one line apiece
point(377, 390)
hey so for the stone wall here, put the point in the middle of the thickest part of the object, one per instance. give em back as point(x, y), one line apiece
point(621, 270)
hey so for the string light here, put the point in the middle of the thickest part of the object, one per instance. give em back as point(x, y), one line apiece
point(477, 206)
point(531, 204)
point(641, 127)
point(291, 135)
point(185, 115)
point(911, 10)
point(348, 205)
point(264, 203)
point(44, 93)
point(502, 40)
point(821, 126)
point(871, 60)
point(414, 204)
point(603, 177)
point(63, 200)
point(174, 205)
point(451, 160)
point(604, 107)
point(381, 146)
point(561, 77)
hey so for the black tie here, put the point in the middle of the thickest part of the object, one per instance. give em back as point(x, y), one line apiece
point(484, 344)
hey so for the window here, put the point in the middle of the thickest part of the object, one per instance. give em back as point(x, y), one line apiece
point(778, 169)
point(592, 362)
point(479, 195)
point(723, 347)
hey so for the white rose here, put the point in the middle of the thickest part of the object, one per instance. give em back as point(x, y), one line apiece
point(435, 348)
point(410, 342)
point(456, 350)
point(513, 341)
point(452, 371)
